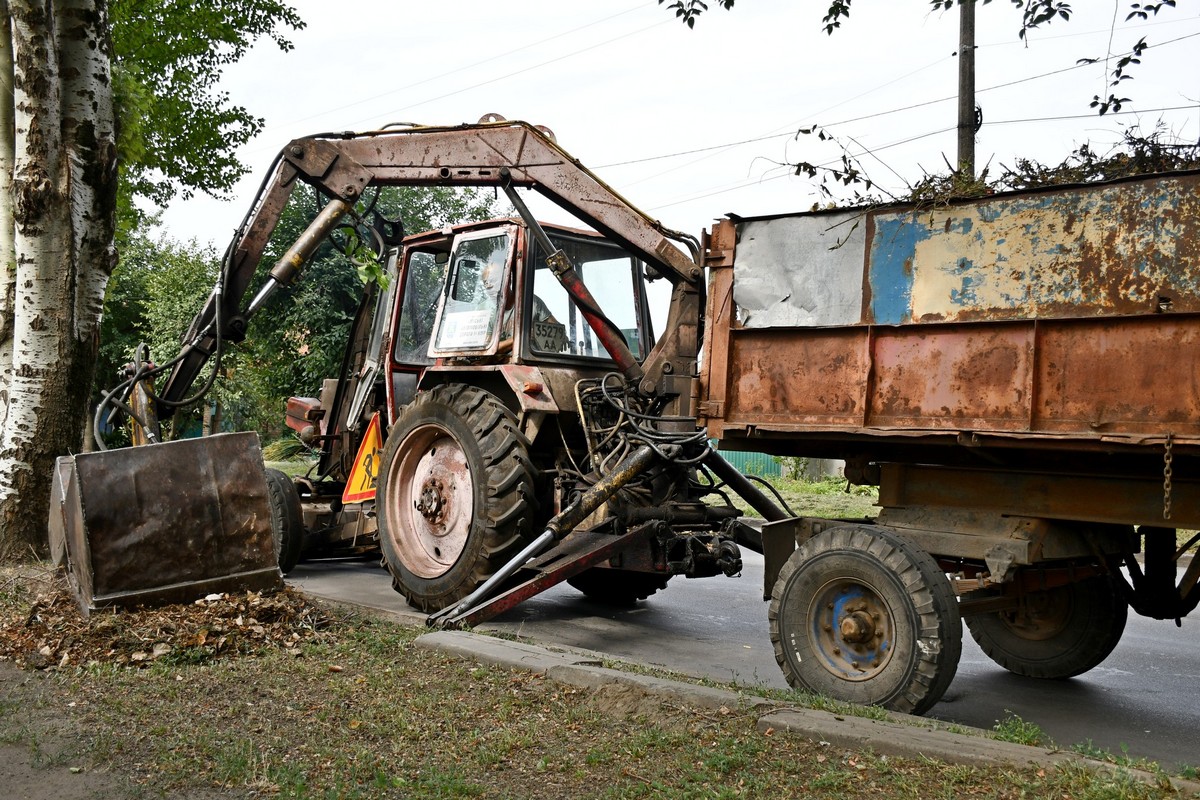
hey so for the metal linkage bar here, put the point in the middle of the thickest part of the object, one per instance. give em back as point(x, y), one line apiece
point(563, 523)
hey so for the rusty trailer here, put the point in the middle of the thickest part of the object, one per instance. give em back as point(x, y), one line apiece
point(1018, 375)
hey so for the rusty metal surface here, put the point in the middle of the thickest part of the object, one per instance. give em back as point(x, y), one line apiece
point(1137, 378)
point(529, 387)
point(1114, 499)
point(1129, 247)
point(803, 379)
point(167, 522)
point(470, 155)
point(577, 552)
point(1119, 248)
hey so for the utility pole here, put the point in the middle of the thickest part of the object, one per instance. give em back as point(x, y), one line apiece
point(966, 88)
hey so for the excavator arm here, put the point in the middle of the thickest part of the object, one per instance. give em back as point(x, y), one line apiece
point(343, 167)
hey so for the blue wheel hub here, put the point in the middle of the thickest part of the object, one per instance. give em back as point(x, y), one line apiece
point(852, 628)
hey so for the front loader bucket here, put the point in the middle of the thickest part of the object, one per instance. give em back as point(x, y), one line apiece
point(164, 523)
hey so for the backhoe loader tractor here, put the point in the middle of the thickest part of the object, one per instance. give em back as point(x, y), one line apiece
point(478, 363)
point(514, 407)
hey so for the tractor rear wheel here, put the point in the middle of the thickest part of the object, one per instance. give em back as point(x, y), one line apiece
point(456, 494)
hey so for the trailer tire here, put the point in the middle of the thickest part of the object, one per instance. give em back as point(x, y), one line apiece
point(456, 495)
point(1071, 629)
point(287, 521)
point(862, 615)
point(618, 587)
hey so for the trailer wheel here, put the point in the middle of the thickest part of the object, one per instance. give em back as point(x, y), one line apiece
point(861, 615)
point(287, 522)
point(618, 587)
point(456, 494)
point(1059, 632)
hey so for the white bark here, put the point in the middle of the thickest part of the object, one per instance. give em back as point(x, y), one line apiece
point(90, 139)
point(42, 240)
point(8, 265)
point(63, 204)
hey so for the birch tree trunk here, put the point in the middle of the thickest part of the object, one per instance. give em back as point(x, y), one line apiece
point(8, 256)
point(63, 206)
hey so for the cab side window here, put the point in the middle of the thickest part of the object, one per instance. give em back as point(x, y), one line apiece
point(418, 308)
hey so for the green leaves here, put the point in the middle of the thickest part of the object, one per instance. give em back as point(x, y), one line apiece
point(839, 9)
point(180, 132)
point(1145, 10)
point(687, 10)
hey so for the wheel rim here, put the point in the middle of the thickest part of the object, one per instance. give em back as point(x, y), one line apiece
point(852, 629)
point(433, 501)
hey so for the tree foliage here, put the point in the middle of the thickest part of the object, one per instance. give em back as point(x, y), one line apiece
point(687, 10)
point(179, 131)
point(1034, 14)
point(1138, 153)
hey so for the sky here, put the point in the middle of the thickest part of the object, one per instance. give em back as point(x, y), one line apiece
point(690, 125)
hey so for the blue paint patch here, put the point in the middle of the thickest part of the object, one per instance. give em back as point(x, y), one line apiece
point(963, 225)
point(965, 296)
point(893, 250)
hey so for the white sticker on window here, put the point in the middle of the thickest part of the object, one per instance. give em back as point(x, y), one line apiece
point(462, 329)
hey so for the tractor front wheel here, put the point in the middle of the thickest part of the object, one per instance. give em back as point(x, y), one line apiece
point(287, 522)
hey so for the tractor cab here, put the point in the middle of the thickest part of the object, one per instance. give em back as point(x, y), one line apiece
point(485, 290)
point(475, 303)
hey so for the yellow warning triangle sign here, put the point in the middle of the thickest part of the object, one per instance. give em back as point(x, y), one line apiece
point(361, 486)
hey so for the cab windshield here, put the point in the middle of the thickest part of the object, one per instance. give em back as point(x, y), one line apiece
point(615, 279)
point(473, 294)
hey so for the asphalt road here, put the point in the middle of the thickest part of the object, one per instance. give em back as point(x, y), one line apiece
point(1142, 701)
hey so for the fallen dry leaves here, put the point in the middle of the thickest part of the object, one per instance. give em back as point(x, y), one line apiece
point(45, 629)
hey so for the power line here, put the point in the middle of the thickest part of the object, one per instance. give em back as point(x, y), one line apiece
point(725, 146)
point(1039, 37)
point(466, 67)
point(523, 70)
point(791, 126)
point(866, 152)
point(790, 168)
point(1093, 116)
point(888, 112)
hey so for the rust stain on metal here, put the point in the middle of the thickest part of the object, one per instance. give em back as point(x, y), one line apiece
point(195, 519)
point(1128, 376)
point(802, 379)
point(951, 377)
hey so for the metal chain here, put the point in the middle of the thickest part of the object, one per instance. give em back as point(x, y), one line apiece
point(1167, 458)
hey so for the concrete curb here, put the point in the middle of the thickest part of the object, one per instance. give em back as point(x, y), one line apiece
point(904, 735)
point(907, 736)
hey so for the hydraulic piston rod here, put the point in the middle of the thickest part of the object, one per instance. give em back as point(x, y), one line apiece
point(560, 264)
